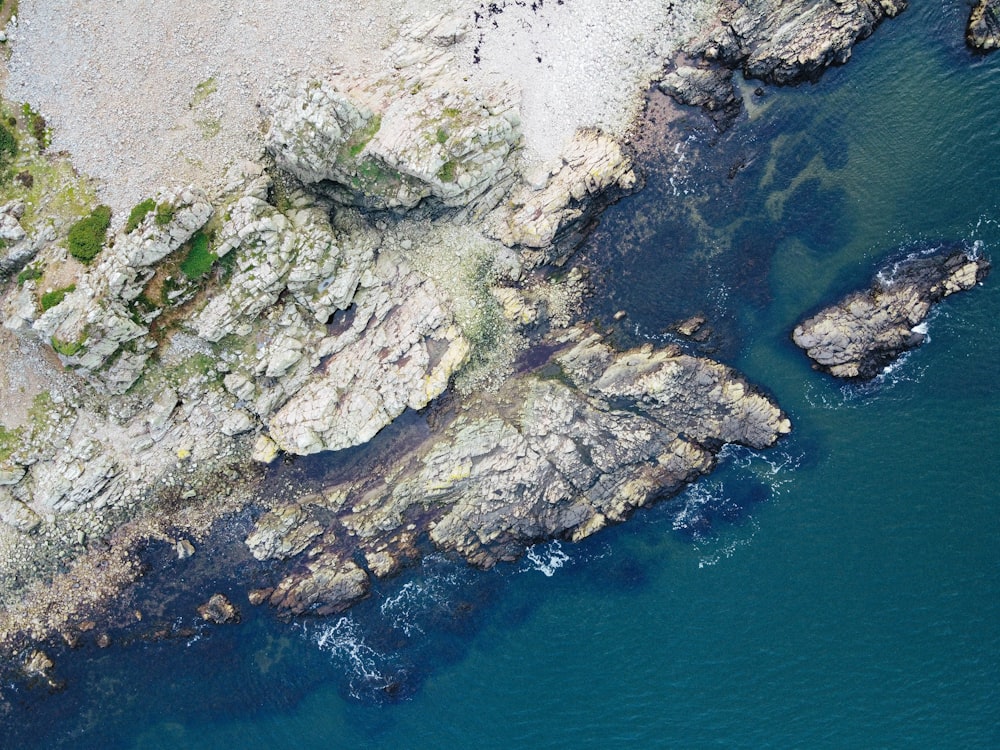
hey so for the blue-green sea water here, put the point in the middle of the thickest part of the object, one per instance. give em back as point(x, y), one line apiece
point(841, 590)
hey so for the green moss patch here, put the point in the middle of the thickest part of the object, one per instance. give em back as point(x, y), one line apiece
point(10, 440)
point(53, 298)
point(360, 137)
point(87, 236)
point(199, 259)
point(164, 214)
point(447, 171)
point(138, 213)
point(36, 125)
point(31, 273)
point(203, 90)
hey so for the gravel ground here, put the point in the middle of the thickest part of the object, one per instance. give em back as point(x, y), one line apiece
point(147, 93)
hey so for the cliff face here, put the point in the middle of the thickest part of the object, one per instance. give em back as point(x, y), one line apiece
point(383, 248)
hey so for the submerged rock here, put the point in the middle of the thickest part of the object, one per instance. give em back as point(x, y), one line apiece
point(983, 31)
point(861, 334)
point(220, 610)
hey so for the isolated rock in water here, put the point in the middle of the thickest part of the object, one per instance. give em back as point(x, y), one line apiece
point(282, 533)
point(558, 198)
point(860, 335)
point(390, 143)
point(784, 43)
point(220, 610)
point(983, 32)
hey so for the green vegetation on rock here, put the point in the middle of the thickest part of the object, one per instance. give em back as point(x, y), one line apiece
point(138, 213)
point(53, 298)
point(67, 348)
point(37, 126)
point(9, 441)
point(199, 259)
point(164, 214)
point(87, 236)
point(360, 137)
point(31, 273)
point(447, 171)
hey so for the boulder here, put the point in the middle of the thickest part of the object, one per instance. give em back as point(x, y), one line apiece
point(390, 357)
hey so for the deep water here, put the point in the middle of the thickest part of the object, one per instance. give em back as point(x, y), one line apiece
point(841, 590)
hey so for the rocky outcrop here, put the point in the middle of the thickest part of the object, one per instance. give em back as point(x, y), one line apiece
point(390, 357)
point(983, 31)
point(708, 87)
point(861, 334)
point(785, 43)
point(559, 453)
point(96, 329)
point(423, 133)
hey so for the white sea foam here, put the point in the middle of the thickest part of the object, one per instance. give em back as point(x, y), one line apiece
point(345, 642)
point(546, 558)
point(417, 598)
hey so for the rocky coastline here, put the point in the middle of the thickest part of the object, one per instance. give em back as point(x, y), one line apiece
point(389, 246)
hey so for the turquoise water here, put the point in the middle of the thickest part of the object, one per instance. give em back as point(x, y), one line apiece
point(842, 590)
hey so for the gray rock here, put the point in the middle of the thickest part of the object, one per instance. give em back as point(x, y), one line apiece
point(560, 453)
point(861, 334)
point(16, 514)
point(391, 357)
point(220, 610)
point(708, 87)
point(282, 533)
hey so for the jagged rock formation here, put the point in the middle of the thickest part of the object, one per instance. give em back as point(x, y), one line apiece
point(96, 329)
point(317, 327)
point(220, 610)
point(561, 452)
point(861, 334)
point(983, 31)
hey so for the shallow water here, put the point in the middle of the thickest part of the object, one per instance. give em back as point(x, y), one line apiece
point(842, 590)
